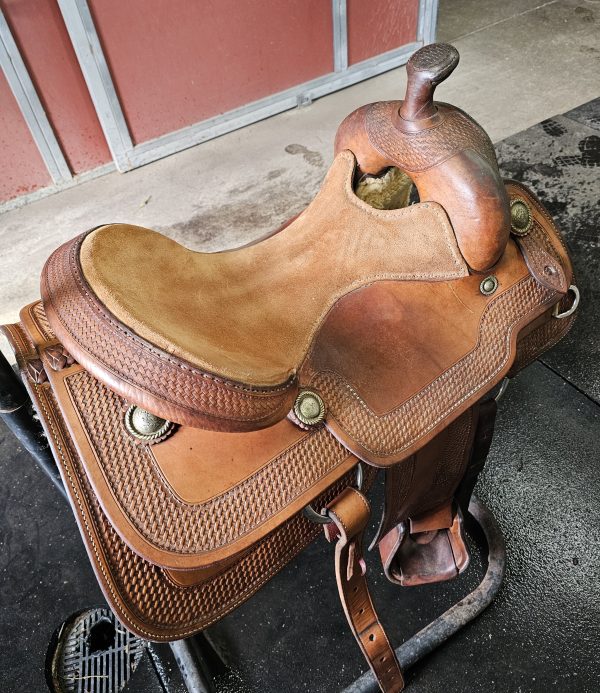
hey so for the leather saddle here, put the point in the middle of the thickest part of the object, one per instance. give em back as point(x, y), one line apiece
point(211, 413)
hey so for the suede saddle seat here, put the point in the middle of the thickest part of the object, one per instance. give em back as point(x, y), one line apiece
point(375, 310)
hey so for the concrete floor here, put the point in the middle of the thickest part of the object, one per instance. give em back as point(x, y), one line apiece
point(521, 61)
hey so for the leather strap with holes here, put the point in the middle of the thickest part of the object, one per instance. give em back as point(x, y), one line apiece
point(350, 513)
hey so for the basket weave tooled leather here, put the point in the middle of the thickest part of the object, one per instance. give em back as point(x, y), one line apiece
point(209, 413)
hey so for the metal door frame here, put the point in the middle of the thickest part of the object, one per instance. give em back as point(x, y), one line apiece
point(80, 25)
point(23, 89)
point(126, 156)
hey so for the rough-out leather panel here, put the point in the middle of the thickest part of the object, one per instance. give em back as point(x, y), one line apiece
point(127, 359)
point(214, 340)
point(143, 595)
point(261, 305)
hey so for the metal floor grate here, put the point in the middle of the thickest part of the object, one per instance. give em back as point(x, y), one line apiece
point(93, 653)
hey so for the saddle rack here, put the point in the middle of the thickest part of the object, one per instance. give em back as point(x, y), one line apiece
point(194, 654)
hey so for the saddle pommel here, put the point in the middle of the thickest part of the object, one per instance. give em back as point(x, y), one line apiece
point(448, 156)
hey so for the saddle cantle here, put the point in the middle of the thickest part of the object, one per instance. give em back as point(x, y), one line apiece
point(205, 409)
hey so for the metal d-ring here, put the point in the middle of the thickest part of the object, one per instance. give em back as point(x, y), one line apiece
point(502, 389)
point(323, 519)
point(572, 309)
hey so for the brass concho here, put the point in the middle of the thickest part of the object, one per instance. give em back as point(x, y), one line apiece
point(488, 285)
point(309, 408)
point(143, 425)
point(520, 217)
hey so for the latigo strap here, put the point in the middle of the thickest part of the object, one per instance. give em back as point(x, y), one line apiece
point(349, 513)
point(428, 546)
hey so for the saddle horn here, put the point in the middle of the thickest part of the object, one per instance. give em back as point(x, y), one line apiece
point(448, 156)
point(426, 69)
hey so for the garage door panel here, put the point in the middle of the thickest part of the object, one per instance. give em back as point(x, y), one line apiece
point(176, 63)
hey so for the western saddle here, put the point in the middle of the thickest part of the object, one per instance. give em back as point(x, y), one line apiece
point(211, 413)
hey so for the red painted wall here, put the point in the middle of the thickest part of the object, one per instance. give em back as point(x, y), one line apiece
point(176, 63)
point(378, 26)
point(45, 46)
point(22, 169)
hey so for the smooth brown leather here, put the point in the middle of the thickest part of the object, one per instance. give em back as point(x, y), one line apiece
point(417, 345)
point(350, 513)
point(377, 311)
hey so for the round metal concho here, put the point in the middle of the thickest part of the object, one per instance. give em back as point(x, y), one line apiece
point(146, 426)
point(488, 285)
point(520, 217)
point(309, 408)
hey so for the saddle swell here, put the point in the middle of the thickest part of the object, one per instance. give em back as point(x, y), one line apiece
point(109, 304)
point(447, 154)
point(217, 340)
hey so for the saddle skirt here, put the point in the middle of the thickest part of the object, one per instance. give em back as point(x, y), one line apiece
point(208, 412)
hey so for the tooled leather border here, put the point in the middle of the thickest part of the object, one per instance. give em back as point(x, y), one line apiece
point(139, 371)
point(125, 577)
point(142, 495)
point(385, 439)
point(427, 148)
point(142, 594)
point(134, 495)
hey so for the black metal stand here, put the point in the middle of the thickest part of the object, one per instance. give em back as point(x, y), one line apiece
point(17, 413)
point(195, 656)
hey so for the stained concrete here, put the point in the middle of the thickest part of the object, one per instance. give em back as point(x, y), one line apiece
point(560, 160)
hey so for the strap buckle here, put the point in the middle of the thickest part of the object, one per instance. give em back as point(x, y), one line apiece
point(323, 518)
point(502, 389)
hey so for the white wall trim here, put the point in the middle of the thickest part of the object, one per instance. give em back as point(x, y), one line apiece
point(30, 105)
